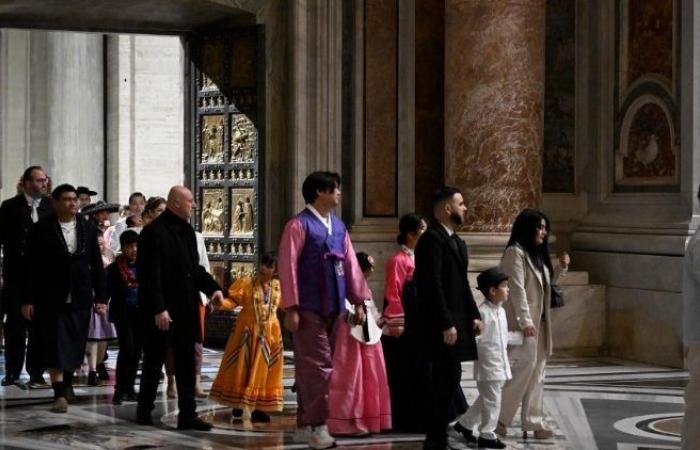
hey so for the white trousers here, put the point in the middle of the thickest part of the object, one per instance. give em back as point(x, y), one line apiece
point(526, 388)
point(485, 410)
point(690, 431)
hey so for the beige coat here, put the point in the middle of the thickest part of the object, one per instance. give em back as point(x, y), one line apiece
point(528, 293)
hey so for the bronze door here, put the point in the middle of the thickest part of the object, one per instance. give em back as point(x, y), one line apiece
point(226, 164)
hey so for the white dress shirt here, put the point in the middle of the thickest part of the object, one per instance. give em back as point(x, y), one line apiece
point(34, 204)
point(70, 236)
point(492, 364)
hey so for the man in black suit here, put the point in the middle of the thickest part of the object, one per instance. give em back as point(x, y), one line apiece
point(64, 280)
point(16, 216)
point(170, 279)
point(452, 318)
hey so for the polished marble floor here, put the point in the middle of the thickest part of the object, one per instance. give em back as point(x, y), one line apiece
point(591, 403)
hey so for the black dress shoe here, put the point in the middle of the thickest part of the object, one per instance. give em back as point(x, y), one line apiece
point(467, 434)
point(259, 416)
point(117, 399)
point(195, 423)
point(92, 378)
point(429, 445)
point(143, 418)
point(490, 443)
point(9, 380)
point(37, 381)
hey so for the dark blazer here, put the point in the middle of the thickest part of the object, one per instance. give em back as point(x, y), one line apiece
point(15, 221)
point(444, 292)
point(51, 272)
point(170, 277)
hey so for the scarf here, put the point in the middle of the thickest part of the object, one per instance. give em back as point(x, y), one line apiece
point(127, 275)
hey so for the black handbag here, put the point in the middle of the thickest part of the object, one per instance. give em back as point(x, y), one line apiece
point(557, 296)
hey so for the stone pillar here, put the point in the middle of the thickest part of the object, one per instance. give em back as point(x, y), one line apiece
point(75, 102)
point(14, 107)
point(315, 91)
point(145, 115)
point(494, 91)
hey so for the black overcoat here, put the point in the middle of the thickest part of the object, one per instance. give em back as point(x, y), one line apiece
point(444, 293)
point(51, 272)
point(170, 276)
point(15, 221)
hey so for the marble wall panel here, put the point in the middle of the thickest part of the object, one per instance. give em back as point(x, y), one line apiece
point(560, 97)
point(381, 113)
point(494, 91)
point(649, 25)
point(645, 326)
point(430, 102)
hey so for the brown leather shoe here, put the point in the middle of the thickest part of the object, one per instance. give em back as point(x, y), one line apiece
point(60, 405)
point(540, 434)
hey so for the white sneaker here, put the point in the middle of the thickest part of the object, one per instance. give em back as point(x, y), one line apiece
point(320, 439)
point(301, 434)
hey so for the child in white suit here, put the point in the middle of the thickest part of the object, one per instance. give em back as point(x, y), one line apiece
point(492, 369)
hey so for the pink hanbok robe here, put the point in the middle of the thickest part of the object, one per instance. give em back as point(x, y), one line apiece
point(359, 391)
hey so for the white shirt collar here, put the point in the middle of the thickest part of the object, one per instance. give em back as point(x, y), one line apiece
point(325, 220)
point(31, 201)
point(407, 251)
point(449, 230)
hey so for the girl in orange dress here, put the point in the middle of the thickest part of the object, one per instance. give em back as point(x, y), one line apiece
point(250, 376)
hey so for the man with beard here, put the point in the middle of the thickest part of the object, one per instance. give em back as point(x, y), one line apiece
point(452, 318)
point(64, 281)
point(16, 217)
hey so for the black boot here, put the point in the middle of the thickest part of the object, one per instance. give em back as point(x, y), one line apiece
point(259, 416)
point(194, 423)
point(92, 378)
point(102, 372)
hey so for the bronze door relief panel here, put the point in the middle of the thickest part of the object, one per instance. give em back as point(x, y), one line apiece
point(227, 122)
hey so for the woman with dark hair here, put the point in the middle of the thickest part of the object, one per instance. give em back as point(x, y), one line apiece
point(531, 275)
point(408, 393)
point(250, 377)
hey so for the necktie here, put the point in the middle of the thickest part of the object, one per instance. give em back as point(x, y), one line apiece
point(35, 212)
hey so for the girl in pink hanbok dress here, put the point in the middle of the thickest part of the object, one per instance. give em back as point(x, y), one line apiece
point(359, 392)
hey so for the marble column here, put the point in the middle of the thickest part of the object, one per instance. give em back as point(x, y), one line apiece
point(494, 91)
point(75, 102)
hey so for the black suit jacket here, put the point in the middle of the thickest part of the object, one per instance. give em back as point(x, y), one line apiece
point(170, 277)
point(15, 221)
point(444, 292)
point(51, 273)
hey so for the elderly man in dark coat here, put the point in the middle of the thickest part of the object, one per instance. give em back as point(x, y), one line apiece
point(170, 279)
point(452, 318)
point(16, 216)
point(63, 281)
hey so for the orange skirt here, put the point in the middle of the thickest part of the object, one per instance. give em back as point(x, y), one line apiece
point(251, 368)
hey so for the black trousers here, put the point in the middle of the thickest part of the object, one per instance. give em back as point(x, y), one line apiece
point(130, 347)
point(155, 345)
point(447, 373)
point(17, 331)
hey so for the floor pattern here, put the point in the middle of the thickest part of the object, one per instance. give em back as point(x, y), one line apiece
point(591, 404)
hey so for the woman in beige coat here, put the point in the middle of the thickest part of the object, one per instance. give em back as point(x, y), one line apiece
point(531, 274)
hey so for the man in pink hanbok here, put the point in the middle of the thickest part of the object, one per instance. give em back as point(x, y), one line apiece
point(318, 270)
